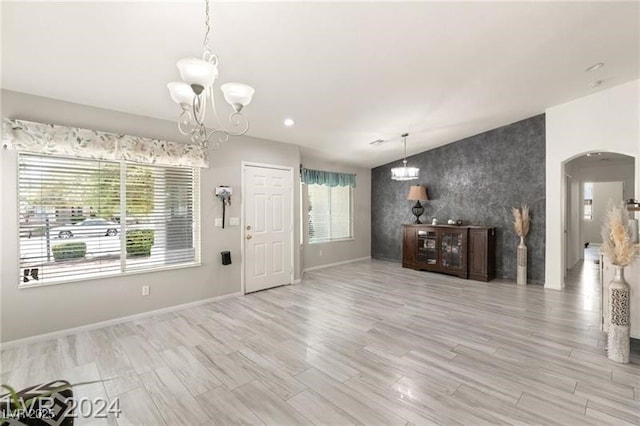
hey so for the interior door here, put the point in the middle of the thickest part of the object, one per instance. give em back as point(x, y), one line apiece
point(567, 224)
point(268, 227)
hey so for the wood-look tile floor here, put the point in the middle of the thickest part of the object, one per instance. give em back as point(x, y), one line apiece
point(364, 343)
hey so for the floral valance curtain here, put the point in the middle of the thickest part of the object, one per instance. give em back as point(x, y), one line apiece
point(51, 139)
point(322, 177)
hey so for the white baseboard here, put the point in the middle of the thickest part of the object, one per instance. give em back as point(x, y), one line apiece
point(100, 324)
point(329, 265)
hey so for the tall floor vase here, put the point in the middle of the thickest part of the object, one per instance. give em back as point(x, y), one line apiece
point(521, 277)
point(618, 339)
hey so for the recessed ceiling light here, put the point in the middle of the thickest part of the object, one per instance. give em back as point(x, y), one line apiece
point(289, 122)
point(593, 154)
point(594, 67)
point(596, 83)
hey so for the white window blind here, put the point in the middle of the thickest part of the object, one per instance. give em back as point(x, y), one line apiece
point(330, 213)
point(82, 219)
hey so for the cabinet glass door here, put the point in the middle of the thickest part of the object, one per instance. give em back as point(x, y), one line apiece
point(451, 250)
point(427, 252)
point(422, 246)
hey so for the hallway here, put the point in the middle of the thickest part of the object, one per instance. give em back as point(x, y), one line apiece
point(584, 279)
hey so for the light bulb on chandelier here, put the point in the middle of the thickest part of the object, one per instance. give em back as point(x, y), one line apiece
point(196, 90)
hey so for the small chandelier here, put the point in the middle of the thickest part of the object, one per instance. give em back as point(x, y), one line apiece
point(196, 89)
point(404, 172)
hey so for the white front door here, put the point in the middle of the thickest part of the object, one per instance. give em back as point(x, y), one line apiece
point(268, 227)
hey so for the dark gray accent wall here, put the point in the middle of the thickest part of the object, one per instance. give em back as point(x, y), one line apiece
point(476, 180)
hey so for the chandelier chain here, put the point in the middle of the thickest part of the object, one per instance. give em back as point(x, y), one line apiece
point(207, 24)
point(405, 149)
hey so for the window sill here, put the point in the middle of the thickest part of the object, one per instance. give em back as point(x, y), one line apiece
point(39, 284)
point(331, 241)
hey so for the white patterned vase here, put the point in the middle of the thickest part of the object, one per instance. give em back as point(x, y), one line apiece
point(521, 277)
point(618, 339)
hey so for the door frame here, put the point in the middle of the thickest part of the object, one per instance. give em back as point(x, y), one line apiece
point(567, 211)
point(243, 166)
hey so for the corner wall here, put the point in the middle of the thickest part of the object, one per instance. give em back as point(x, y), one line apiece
point(31, 311)
point(605, 121)
point(478, 180)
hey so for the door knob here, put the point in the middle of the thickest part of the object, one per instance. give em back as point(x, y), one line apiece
point(249, 237)
point(248, 227)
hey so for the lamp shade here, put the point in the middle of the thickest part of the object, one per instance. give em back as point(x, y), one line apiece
point(181, 92)
point(197, 71)
point(237, 93)
point(417, 193)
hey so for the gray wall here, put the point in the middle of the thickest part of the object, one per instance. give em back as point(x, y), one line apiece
point(477, 180)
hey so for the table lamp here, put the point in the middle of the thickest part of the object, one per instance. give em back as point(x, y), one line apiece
point(417, 193)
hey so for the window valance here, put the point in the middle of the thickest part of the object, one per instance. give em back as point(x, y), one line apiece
point(40, 138)
point(322, 177)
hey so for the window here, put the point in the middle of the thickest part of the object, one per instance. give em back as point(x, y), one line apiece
point(588, 201)
point(330, 213)
point(82, 218)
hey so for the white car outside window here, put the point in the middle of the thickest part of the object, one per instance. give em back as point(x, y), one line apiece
point(87, 227)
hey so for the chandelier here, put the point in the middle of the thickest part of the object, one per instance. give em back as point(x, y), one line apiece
point(404, 172)
point(196, 90)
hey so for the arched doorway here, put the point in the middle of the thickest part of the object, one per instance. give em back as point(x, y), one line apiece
point(591, 180)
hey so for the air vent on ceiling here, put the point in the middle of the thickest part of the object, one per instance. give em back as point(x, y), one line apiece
point(376, 142)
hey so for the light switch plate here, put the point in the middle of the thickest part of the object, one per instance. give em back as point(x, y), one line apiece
point(234, 221)
point(218, 222)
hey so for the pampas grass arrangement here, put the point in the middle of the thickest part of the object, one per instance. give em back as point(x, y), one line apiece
point(616, 239)
point(619, 249)
point(521, 220)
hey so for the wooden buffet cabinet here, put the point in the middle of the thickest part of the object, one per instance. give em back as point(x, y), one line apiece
point(465, 251)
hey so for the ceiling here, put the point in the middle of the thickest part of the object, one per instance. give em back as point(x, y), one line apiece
point(347, 73)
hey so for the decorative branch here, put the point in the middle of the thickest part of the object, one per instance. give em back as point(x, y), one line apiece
point(616, 236)
point(521, 220)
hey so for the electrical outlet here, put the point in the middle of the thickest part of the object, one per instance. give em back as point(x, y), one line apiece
point(146, 290)
point(218, 222)
point(234, 221)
